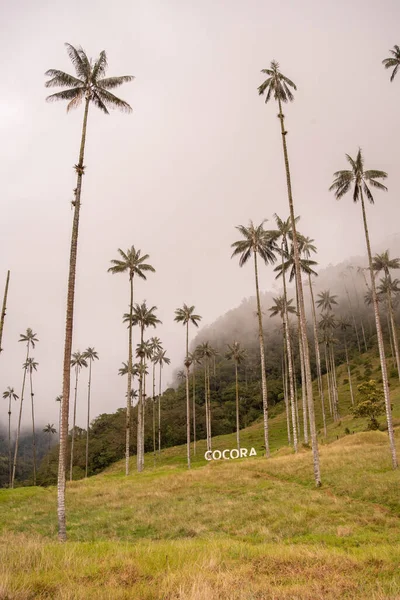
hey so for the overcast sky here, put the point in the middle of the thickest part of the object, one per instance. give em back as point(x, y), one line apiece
point(200, 153)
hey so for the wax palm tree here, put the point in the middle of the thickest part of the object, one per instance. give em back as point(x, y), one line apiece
point(186, 316)
point(393, 61)
point(350, 270)
point(195, 360)
point(343, 324)
point(3, 309)
point(238, 355)
point(11, 395)
point(144, 351)
point(280, 88)
point(205, 353)
point(78, 362)
point(181, 376)
point(327, 324)
point(30, 366)
point(91, 87)
point(360, 181)
point(257, 242)
point(90, 355)
point(387, 291)
point(156, 347)
point(29, 338)
point(134, 264)
point(343, 276)
point(326, 300)
point(50, 430)
point(161, 359)
point(143, 317)
point(283, 307)
point(383, 262)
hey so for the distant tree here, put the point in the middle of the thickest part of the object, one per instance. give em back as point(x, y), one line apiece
point(257, 242)
point(59, 399)
point(393, 61)
point(50, 430)
point(195, 360)
point(280, 87)
point(371, 404)
point(205, 352)
point(161, 359)
point(132, 263)
point(156, 347)
point(90, 354)
point(186, 316)
point(343, 324)
point(31, 366)
point(30, 339)
point(238, 355)
point(78, 361)
point(10, 395)
point(327, 324)
point(361, 181)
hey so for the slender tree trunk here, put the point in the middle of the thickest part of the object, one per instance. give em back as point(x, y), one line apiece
point(187, 397)
point(328, 380)
point(129, 384)
point(385, 381)
point(310, 399)
point(317, 355)
point(334, 384)
point(73, 427)
point(144, 403)
point(9, 445)
point(237, 408)
point(140, 412)
point(352, 316)
point(154, 411)
point(4, 308)
point(206, 402)
point(348, 372)
point(159, 413)
point(88, 420)
point(209, 405)
point(62, 460)
point(359, 310)
point(19, 421)
point(194, 410)
point(394, 333)
point(33, 429)
point(285, 394)
point(262, 354)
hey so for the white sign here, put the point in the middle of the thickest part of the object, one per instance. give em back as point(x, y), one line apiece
point(228, 454)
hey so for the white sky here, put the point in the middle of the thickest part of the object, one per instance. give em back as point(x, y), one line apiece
point(200, 154)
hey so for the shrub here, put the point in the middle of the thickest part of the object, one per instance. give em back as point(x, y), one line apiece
point(371, 403)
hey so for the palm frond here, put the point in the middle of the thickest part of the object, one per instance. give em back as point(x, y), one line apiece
point(113, 101)
point(112, 82)
point(76, 60)
point(59, 78)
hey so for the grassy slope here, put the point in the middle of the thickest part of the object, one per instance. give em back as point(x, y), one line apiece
point(245, 529)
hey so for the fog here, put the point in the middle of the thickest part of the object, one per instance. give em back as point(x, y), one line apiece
point(200, 154)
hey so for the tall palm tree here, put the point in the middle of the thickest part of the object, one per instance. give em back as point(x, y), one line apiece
point(343, 276)
point(156, 347)
point(257, 242)
point(283, 307)
point(78, 361)
point(31, 366)
point(91, 355)
point(11, 395)
point(350, 270)
point(161, 359)
point(132, 263)
point(361, 181)
point(327, 324)
point(186, 316)
point(383, 262)
point(343, 325)
point(30, 339)
point(195, 360)
point(280, 88)
point(90, 86)
point(238, 355)
point(393, 61)
point(144, 351)
point(388, 289)
point(4, 308)
point(205, 353)
point(143, 317)
point(50, 430)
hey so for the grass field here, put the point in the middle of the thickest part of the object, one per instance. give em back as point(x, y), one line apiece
point(250, 529)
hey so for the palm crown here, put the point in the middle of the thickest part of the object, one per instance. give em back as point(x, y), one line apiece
point(382, 262)
point(131, 262)
point(90, 354)
point(89, 82)
point(279, 307)
point(30, 364)
point(186, 315)
point(162, 359)
point(326, 300)
point(29, 337)
point(393, 61)
point(236, 353)
point(357, 177)
point(78, 360)
point(276, 85)
point(143, 316)
point(9, 393)
point(256, 240)
point(124, 370)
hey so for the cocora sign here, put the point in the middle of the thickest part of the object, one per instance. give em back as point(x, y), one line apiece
point(228, 454)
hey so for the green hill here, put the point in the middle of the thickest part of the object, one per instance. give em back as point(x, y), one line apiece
point(241, 529)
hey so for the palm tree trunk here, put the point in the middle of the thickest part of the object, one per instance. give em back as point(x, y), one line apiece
point(129, 385)
point(144, 403)
point(302, 371)
point(187, 398)
point(348, 372)
point(262, 354)
point(303, 324)
point(3, 310)
point(317, 354)
point(334, 385)
point(206, 402)
point(394, 333)
point(237, 408)
point(159, 413)
point(140, 412)
point(385, 381)
point(73, 427)
point(88, 420)
point(328, 380)
point(62, 460)
point(154, 411)
point(285, 394)
point(390, 335)
point(352, 317)
point(359, 310)
point(33, 430)
point(9, 444)
point(194, 410)
point(19, 421)
point(209, 405)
